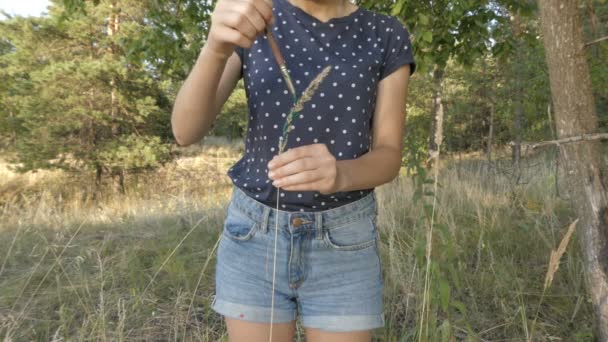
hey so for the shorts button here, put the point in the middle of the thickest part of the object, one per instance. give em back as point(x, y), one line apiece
point(296, 222)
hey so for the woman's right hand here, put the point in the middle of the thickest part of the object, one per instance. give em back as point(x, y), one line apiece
point(237, 22)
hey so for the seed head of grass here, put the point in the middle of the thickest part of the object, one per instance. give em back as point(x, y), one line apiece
point(556, 255)
point(308, 94)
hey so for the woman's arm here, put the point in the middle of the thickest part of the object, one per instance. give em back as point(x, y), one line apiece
point(313, 167)
point(382, 163)
point(218, 67)
point(193, 112)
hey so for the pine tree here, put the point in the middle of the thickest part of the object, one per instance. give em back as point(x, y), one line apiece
point(76, 100)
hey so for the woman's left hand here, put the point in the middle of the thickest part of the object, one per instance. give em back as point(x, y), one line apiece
point(305, 168)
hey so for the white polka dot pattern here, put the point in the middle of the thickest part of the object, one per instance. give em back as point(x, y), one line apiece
point(364, 48)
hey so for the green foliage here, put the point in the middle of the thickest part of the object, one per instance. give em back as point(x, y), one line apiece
point(175, 33)
point(73, 94)
point(73, 6)
point(447, 29)
point(134, 153)
point(595, 27)
point(232, 121)
point(170, 33)
point(515, 22)
point(60, 72)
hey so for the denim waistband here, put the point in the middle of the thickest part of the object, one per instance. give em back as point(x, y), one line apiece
point(303, 220)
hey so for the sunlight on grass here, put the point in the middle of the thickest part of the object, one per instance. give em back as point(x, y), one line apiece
point(138, 266)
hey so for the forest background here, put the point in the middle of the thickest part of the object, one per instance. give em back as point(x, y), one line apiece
point(108, 228)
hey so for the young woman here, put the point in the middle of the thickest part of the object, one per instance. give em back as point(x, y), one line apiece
point(316, 256)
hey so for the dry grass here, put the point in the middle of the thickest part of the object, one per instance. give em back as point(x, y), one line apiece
point(194, 182)
point(74, 268)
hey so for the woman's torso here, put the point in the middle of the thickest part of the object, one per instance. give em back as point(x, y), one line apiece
point(339, 114)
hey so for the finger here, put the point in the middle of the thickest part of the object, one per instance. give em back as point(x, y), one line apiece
point(254, 14)
point(234, 36)
point(291, 155)
point(299, 179)
point(314, 186)
point(265, 8)
point(299, 165)
point(240, 22)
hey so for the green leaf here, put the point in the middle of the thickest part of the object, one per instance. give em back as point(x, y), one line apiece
point(427, 36)
point(398, 7)
point(458, 305)
point(446, 331)
point(444, 294)
point(419, 251)
point(423, 19)
point(428, 210)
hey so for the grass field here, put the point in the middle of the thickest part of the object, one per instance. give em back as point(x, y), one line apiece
point(140, 266)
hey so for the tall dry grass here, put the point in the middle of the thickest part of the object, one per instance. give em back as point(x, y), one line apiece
point(140, 266)
point(498, 237)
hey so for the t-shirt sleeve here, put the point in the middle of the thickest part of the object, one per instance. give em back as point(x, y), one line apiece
point(399, 49)
point(241, 53)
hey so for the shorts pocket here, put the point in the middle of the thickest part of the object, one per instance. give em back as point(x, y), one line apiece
point(238, 226)
point(352, 236)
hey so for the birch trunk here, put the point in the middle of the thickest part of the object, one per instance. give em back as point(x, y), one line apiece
point(583, 162)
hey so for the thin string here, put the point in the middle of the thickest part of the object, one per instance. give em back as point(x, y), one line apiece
point(287, 127)
point(282, 143)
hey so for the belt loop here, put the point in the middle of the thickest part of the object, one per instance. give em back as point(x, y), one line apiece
point(265, 215)
point(375, 202)
point(319, 225)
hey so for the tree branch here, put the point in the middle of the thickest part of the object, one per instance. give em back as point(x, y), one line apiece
point(584, 137)
point(596, 41)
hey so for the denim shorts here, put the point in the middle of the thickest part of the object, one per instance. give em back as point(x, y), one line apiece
point(328, 269)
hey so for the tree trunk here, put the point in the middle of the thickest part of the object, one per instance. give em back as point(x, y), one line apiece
point(113, 28)
point(593, 20)
point(13, 139)
point(119, 181)
point(583, 162)
point(437, 102)
point(98, 175)
point(489, 111)
point(490, 135)
point(553, 137)
point(437, 112)
point(518, 93)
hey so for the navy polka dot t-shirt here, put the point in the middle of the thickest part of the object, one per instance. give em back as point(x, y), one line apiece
point(363, 48)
